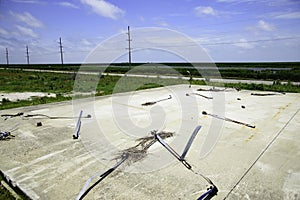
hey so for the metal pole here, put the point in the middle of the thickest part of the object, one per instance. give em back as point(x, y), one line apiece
point(129, 48)
point(78, 126)
point(61, 52)
point(27, 55)
point(7, 61)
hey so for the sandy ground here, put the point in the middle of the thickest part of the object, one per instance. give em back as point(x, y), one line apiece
point(15, 96)
point(46, 163)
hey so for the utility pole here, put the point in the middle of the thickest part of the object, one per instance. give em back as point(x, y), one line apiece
point(61, 52)
point(129, 48)
point(7, 61)
point(27, 55)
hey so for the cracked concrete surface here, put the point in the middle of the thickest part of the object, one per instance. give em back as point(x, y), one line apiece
point(46, 163)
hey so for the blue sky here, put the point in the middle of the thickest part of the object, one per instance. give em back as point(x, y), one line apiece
point(227, 30)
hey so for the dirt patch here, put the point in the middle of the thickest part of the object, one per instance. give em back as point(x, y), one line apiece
point(16, 96)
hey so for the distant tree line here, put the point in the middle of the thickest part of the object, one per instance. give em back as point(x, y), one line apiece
point(286, 71)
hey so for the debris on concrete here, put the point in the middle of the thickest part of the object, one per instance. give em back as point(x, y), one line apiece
point(139, 151)
point(38, 124)
point(210, 193)
point(213, 89)
point(132, 154)
point(206, 97)
point(188, 145)
point(267, 94)
point(42, 162)
point(154, 102)
point(7, 116)
point(212, 190)
point(78, 126)
point(229, 120)
point(5, 135)
point(85, 190)
point(243, 107)
point(171, 150)
point(38, 116)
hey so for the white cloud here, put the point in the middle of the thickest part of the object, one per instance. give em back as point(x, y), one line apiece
point(283, 2)
point(85, 42)
point(262, 25)
point(161, 22)
point(3, 31)
point(272, 3)
point(243, 43)
point(68, 4)
point(291, 15)
point(205, 10)
point(104, 8)
point(202, 11)
point(26, 31)
point(28, 19)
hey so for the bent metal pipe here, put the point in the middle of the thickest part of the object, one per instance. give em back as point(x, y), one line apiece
point(229, 120)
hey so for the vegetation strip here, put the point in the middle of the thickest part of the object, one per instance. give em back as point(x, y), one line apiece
point(63, 85)
point(7, 194)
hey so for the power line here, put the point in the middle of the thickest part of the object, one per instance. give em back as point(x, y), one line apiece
point(139, 45)
point(252, 41)
point(186, 44)
point(226, 43)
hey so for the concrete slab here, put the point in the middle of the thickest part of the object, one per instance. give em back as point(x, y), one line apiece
point(46, 163)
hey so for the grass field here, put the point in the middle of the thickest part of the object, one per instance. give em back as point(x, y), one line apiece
point(285, 71)
point(62, 84)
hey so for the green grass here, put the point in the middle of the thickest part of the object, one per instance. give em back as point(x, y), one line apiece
point(227, 70)
point(6, 195)
point(261, 87)
point(36, 101)
point(276, 87)
point(21, 81)
point(60, 84)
